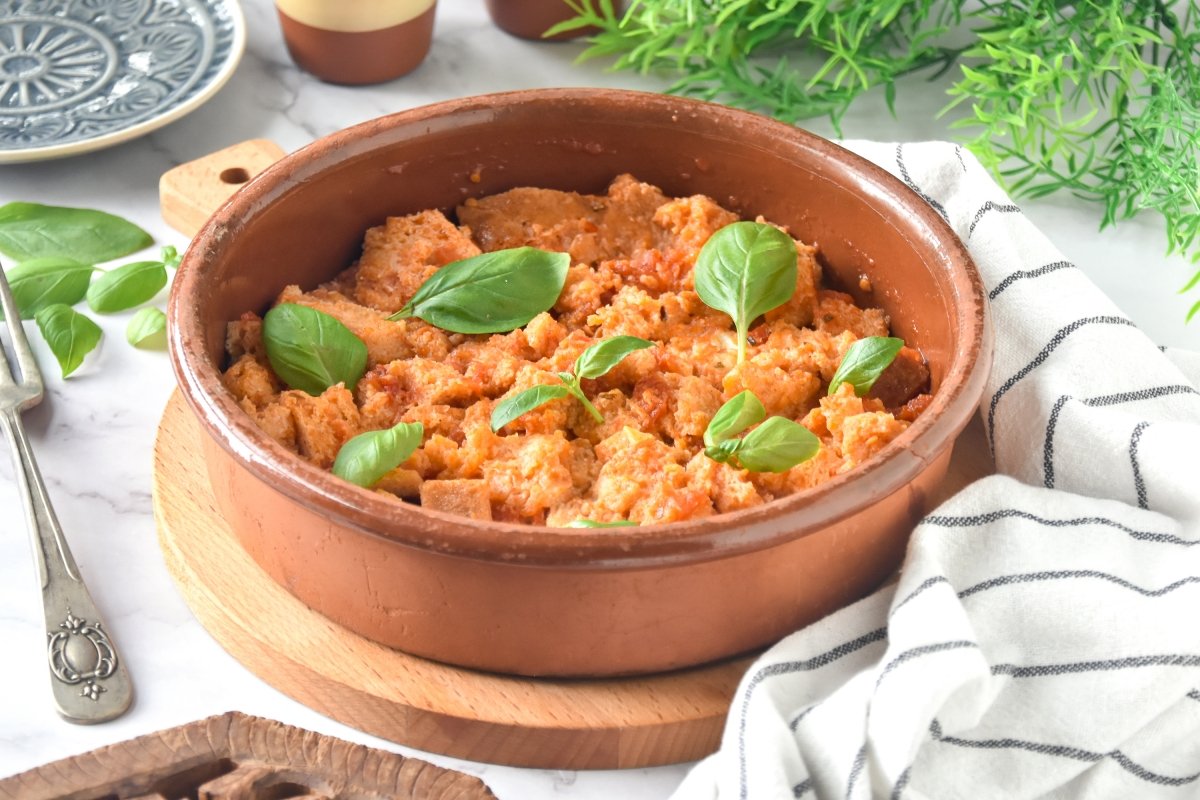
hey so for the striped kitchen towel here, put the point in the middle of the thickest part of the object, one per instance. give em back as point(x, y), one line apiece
point(1043, 639)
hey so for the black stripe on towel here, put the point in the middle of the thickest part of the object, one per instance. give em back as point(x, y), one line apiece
point(901, 782)
point(976, 520)
point(908, 179)
point(1097, 402)
point(1066, 751)
point(1050, 347)
point(1106, 665)
point(1021, 274)
point(802, 788)
point(1056, 575)
point(1139, 484)
point(860, 760)
point(785, 668)
point(1002, 208)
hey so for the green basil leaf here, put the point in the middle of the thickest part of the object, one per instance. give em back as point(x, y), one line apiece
point(606, 354)
point(32, 230)
point(490, 293)
point(591, 523)
point(738, 413)
point(71, 335)
point(523, 402)
point(311, 350)
point(170, 256)
point(864, 362)
point(746, 269)
point(366, 458)
point(42, 282)
point(724, 451)
point(126, 286)
point(777, 445)
point(147, 330)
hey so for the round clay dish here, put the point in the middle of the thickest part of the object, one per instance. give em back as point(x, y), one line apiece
point(547, 601)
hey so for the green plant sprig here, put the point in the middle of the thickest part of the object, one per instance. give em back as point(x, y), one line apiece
point(1100, 99)
point(593, 362)
point(777, 445)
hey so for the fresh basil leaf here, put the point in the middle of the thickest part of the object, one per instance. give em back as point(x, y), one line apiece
point(591, 523)
point(366, 458)
point(864, 362)
point(777, 445)
point(32, 230)
point(523, 402)
point(126, 286)
point(490, 293)
point(746, 269)
point(170, 256)
point(598, 359)
point(738, 413)
point(42, 282)
point(71, 335)
point(723, 452)
point(311, 350)
point(147, 330)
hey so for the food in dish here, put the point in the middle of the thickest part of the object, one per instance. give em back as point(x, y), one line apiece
point(642, 457)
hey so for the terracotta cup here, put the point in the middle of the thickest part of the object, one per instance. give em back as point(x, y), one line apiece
point(357, 41)
point(554, 601)
point(529, 19)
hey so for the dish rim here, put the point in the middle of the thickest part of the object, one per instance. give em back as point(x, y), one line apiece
point(687, 541)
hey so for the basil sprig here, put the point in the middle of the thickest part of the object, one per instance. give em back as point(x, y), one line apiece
point(366, 458)
point(70, 335)
point(864, 362)
point(746, 269)
point(593, 362)
point(490, 293)
point(311, 350)
point(126, 286)
point(777, 445)
point(33, 230)
point(591, 523)
point(147, 330)
point(46, 281)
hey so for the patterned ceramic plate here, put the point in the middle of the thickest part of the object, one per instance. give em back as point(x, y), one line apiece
point(78, 75)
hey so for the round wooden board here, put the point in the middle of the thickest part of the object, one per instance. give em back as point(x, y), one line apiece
point(555, 724)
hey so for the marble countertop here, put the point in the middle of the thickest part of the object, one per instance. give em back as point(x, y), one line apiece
point(94, 433)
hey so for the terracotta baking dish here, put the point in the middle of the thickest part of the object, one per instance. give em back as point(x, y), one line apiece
point(566, 602)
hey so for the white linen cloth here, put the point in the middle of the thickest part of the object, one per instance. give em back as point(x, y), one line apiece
point(1043, 639)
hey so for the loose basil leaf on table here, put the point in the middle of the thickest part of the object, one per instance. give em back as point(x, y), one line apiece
point(591, 523)
point(147, 330)
point(746, 269)
point(864, 362)
point(70, 335)
point(777, 445)
point(601, 357)
point(523, 402)
point(42, 282)
point(311, 350)
point(366, 458)
point(738, 413)
point(490, 293)
point(33, 230)
point(126, 286)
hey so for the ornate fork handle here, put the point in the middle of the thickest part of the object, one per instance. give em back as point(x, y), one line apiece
point(89, 679)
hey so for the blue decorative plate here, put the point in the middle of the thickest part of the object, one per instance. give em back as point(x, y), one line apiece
point(78, 75)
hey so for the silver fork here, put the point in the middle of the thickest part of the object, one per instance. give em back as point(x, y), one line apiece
point(89, 679)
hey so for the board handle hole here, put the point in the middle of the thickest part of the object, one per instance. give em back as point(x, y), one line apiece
point(234, 175)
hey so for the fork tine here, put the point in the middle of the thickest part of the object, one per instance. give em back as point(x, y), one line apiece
point(31, 376)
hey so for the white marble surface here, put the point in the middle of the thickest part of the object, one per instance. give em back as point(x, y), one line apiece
point(94, 432)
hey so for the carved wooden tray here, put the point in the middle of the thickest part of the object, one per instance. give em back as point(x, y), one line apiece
point(238, 757)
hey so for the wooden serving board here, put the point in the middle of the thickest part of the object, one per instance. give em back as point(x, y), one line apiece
point(558, 724)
